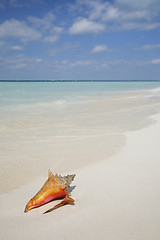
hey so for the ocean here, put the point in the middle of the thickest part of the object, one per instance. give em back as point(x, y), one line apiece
point(66, 125)
point(17, 93)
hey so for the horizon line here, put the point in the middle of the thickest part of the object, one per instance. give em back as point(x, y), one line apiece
point(69, 80)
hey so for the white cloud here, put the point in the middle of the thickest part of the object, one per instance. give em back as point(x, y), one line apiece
point(18, 30)
point(85, 26)
point(119, 10)
point(100, 48)
point(38, 60)
point(145, 10)
point(39, 29)
point(111, 13)
point(155, 61)
point(16, 48)
point(122, 14)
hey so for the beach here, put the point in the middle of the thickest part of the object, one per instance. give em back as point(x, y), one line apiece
point(112, 145)
point(115, 199)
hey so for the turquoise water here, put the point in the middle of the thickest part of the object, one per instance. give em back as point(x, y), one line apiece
point(17, 93)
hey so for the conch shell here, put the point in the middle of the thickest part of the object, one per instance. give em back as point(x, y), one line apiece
point(55, 187)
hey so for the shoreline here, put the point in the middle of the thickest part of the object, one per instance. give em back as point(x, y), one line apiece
point(117, 198)
point(70, 138)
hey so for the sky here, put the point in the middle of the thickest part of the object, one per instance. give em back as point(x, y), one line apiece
point(79, 40)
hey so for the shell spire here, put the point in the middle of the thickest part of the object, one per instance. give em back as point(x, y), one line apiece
point(69, 179)
point(55, 187)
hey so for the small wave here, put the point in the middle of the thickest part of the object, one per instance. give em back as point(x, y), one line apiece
point(154, 93)
point(60, 102)
point(23, 107)
point(156, 90)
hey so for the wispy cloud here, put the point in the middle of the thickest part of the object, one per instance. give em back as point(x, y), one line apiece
point(16, 48)
point(2, 43)
point(50, 32)
point(81, 63)
point(150, 46)
point(100, 48)
point(51, 38)
point(130, 25)
point(17, 3)
point(43, 23)
point(19, 62)
point(1, 5)
point(153, 5)
point(54, 34)
point(155, 61)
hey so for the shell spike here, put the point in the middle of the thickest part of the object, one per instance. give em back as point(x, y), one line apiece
point(50, 174)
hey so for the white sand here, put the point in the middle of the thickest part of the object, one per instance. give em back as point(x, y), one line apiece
point(117, 199)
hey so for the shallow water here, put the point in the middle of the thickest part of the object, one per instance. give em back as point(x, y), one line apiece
point(65, 126)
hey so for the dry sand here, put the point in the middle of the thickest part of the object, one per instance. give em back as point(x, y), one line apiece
point(116, 199)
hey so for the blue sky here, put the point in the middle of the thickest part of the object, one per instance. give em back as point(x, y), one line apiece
point(80, 39)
